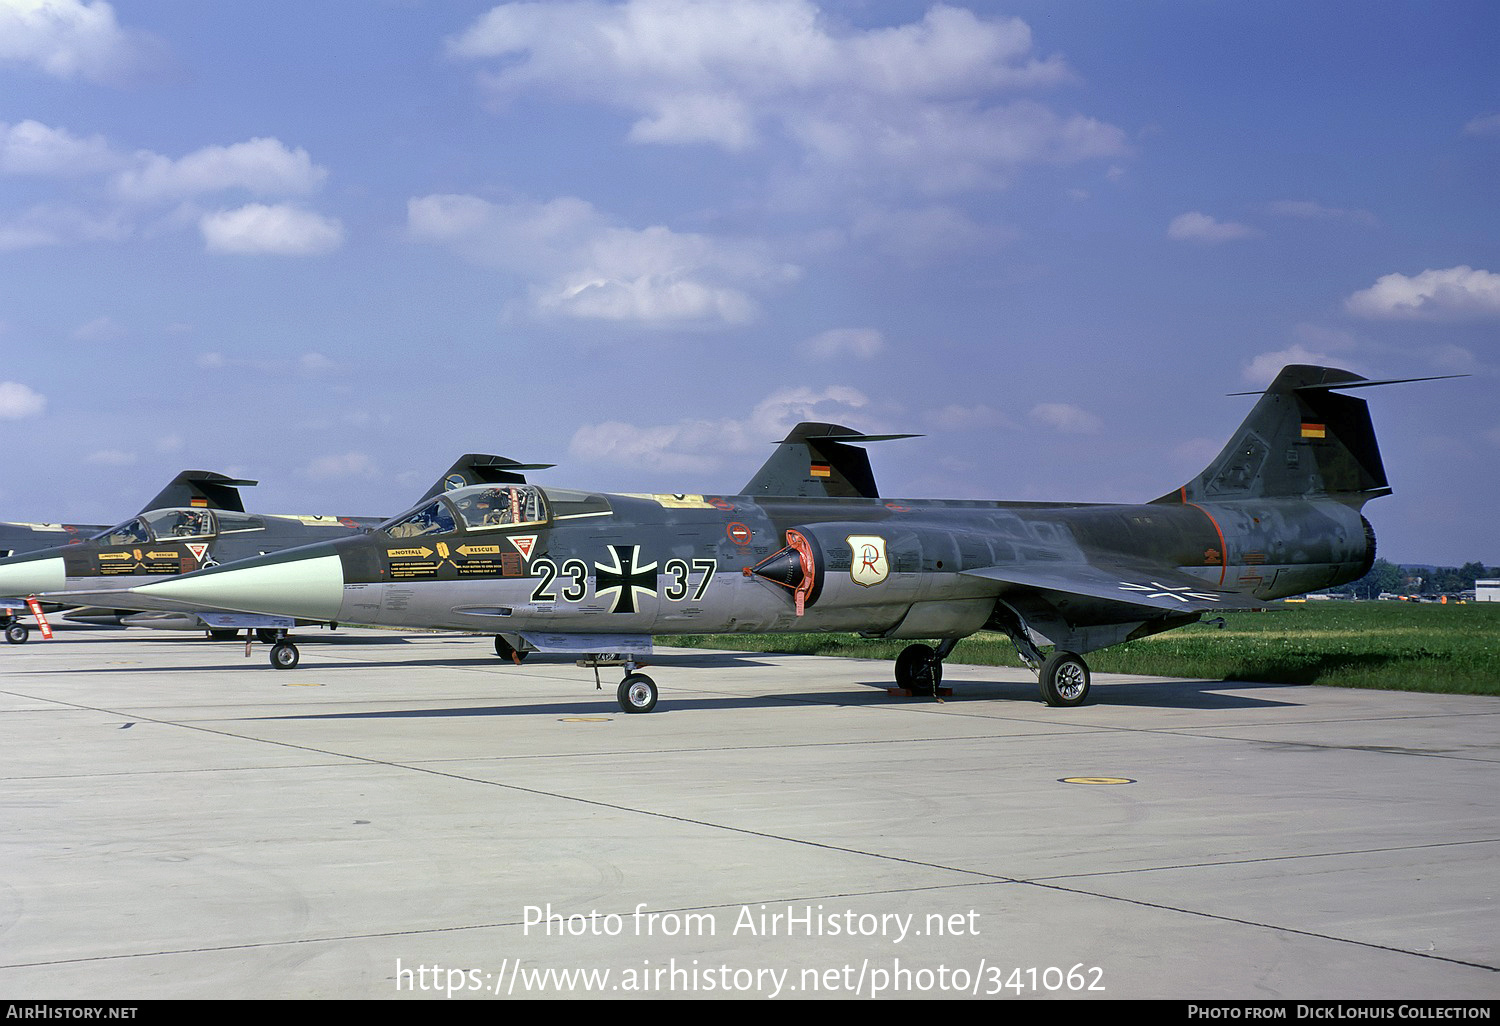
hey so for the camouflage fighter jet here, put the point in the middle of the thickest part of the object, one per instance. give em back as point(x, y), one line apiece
point(197, 521)
point(552, 570)
point(189, 488)
point(192, 488)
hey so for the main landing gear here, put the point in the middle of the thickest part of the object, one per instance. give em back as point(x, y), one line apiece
point(919, 668)
point(1063, 677)
point(505, 650)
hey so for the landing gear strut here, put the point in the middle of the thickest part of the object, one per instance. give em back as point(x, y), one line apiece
point(1062, 676)
point(284, 654)
point(636, 693)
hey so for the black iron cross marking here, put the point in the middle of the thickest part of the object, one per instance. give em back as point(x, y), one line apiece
point(624, 578)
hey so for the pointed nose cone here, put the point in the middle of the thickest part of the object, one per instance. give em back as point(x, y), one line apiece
point(309, 585)
point(783, 568)
point(22, 577)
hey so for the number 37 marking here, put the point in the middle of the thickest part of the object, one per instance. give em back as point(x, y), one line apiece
point(678, 568)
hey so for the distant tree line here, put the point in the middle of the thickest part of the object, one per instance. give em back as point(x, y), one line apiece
point(1392, 578)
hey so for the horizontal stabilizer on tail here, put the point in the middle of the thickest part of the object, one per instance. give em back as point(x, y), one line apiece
point(1358, 383)
point(820, 461)
point(1302, 439)
point(482, 468)
point(202, 488)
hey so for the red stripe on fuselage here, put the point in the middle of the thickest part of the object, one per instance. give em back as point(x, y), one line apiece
point(1223, 550)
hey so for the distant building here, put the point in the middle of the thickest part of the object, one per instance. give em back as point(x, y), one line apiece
point(1487, 591)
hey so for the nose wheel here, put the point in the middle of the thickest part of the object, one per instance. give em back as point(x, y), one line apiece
point(284, 655)
point(637, 693)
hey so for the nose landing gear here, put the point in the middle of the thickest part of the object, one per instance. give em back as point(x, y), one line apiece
point(636, 693)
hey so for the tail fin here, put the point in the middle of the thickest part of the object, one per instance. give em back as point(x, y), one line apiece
point(1300, 439)
point(482, 468)
point(200, 488)
point(820, 461)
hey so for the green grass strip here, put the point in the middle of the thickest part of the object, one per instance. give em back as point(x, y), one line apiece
point(1394, 646)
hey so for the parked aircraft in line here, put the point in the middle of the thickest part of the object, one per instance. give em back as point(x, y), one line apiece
point(198, 489)
point(197, 521)
point(1276, 513)
point(189, 488)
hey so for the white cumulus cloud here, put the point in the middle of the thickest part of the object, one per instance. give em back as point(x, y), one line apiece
point(695, 446)
point(860, 343)
point(32, 148)
point(979, 417)
point(1199, 227)
point(111, 457)
point(50, 224)
point(1310, 210)
point(142, 185)
point(1067, 418)
point(341, 466)
point(580, 264)
point(898, 101)
point(1454, 294)
point(281, 230)
point(71, 39)
point(18, 401)
point(1262, 370)
point(265, 167)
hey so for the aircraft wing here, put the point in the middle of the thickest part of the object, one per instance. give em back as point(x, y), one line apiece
point(1164, 589)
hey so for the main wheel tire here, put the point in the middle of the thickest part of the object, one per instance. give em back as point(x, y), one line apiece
point(918, 671)
point(17, 633)
point(508, 652)
point(284, 655)
point(1064, 679)
point(637, 693)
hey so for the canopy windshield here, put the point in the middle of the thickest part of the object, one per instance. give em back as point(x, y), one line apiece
point(161, 525)
point(476, 508)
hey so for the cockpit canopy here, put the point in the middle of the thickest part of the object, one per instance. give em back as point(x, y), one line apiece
point(166, 525)
point(476, 508)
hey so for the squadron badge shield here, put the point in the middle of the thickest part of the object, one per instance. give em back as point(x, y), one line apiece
point(869, 566)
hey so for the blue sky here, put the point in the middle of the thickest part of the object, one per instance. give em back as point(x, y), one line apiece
point(330, 246)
